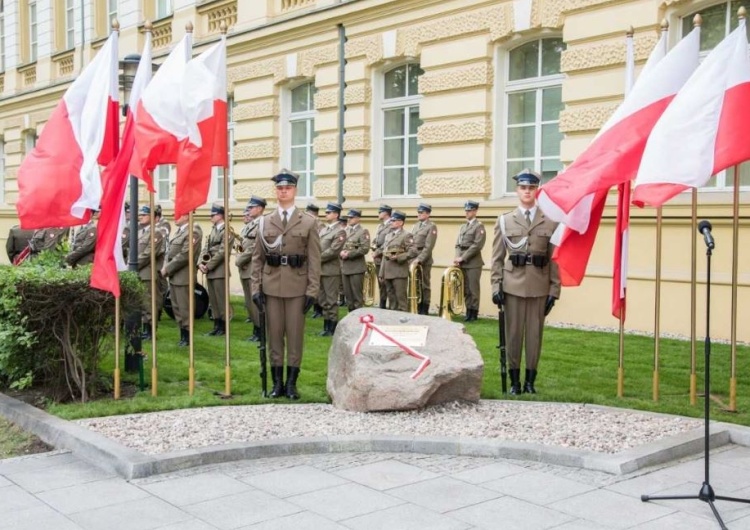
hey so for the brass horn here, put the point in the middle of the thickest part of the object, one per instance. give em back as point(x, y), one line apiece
point(452, 293)
point(414, 287)
point(369, 283)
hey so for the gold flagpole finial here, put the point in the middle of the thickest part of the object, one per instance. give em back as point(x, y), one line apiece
point(664, 24)
point(148, 26)
point(223, 28)
point(115, 24)
point(189, 27)
point(630, 31)
point(742, 13)
point(697, 20)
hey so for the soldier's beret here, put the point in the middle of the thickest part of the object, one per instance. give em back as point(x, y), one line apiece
point(355, 213)
point(144, 210)
point(528, 177)
point(285, 178)
point(424, 208)
point(385, 208)
point(398, 216)
point(333, 207)
point(471, 205)
point(312, 208)
point(217, 208)
point(256, 201)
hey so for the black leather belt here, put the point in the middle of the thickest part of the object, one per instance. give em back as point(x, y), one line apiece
point(521, 260)
point(292, 260)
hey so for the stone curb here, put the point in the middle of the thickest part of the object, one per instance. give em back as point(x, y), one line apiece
point(130, 464)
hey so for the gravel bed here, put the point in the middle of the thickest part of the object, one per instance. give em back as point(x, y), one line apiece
point(564, 425)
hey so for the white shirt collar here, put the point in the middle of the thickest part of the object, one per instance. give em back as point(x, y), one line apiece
point(289, 212)
point(532, 211)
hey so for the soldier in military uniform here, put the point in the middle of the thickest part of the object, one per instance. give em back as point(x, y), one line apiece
point(469, 245)
point(47, 239)
point(425, 236)
point(125, 237)
point(382, 231)
point(84, 244)
point(353, 265)
point(215, 269)
point(285, 280)
point(332, 239)
point(313, 210)
point(144, 265)
point(177, 269)
point(527, 283)
point(248, 236)
point(18, 240)
point(398, 250)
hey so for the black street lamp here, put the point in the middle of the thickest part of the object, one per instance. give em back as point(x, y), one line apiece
point(129, 67)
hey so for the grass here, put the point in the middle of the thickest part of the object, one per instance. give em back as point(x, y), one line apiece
point(16, 442)
point(576, 366)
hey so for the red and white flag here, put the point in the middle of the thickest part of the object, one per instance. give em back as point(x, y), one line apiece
point(705, 129)
point(576, 196)
point(108, 258)
point(59, 181)
point(189, 130)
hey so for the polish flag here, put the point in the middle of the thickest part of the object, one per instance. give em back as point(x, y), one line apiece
point(108, 258)
point(705, 130)
point(59, 181)
point(579, 192)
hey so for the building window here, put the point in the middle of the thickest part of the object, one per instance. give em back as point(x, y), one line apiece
point(70, 24)
point(163, 185)
point(400, 119)
point(301, 133)
point(718, 22)
point(216, 190)
point(2, 35)
point(533, 101)
point(33, 37)
point(163, 8)
point(29, 141)
point(111, 11)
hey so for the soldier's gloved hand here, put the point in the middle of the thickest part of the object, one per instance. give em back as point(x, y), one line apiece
point(549, 305)
point(498, 298)
point(309, 302)
point(260, 301)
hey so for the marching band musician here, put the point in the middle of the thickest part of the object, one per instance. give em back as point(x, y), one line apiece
point(469, 245)
point(332, 239)
point(84, 243)
point(144, 266)
point(353, 265)
point(425, 236)
point(398, 250)
point(285, 280)
point(176, 268)
point(253, 211)
point(524, 279)
point(18, 240)
point(215, 269)
point(384, 228)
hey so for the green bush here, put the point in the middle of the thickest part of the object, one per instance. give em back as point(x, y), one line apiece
point(53, 325)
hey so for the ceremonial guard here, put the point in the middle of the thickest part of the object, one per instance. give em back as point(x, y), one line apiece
point(425, 236)
point(84, 243)
point(313, 210)
point(285, 280)
point(125, 237)
point(17, 242)
point(469, 245)
point(398, 250)
point(353, 265)
point(253, 211)
point(215, 269)
point(332, 239)
point(177, 269)
point(144, 265)
point(47, 239)
point(382, 231)
point(525, 280)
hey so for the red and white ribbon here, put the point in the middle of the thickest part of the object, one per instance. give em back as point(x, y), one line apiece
point(368, 324)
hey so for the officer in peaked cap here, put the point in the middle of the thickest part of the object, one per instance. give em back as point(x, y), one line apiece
point(527, 287)
point(469, 245)
point(398, 250)
point(248, 237)
point(425, 237)
point(285, 178)
point(332, 238)
point(216, 270)
point(353, 264)
point(381, 232)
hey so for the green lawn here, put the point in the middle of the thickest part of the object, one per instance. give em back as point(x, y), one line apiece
point(16, 442)
point(576, 366)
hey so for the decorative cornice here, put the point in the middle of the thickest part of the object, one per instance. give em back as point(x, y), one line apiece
point(257, 150)
point(479, 74)
point(605, 54)
point(355, 94)
point(371, 47)
point(256, 109)
point(442, 133)
point(275, 67)
point(589, 118)
point(353, 141)
point(473, 183)
point(311, 58)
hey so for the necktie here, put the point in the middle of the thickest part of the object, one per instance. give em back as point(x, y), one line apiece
point(528, 217)
point(283, 219)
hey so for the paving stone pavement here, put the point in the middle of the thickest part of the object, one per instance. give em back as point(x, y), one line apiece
point(365, 491)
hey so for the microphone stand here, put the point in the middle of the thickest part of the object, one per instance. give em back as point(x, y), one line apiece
point(706, 493)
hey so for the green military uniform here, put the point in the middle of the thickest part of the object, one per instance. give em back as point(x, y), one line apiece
point(381, 233)
point(47, 239)
point(398, 250)
point(18, 240)
point(353, 265)
point(248, 239)
point(144, 270)
point(425, 237)
point(177, 270)
point(332, 239)
point(84, 243)
point(215, 272)
point(469, 245)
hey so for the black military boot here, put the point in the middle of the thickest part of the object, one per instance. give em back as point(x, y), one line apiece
point(146, 335)
point(383, 304)
point(528, 386)
point(317, 311)
point(425, 310)
point(184, 337)
point(292, 372)
point(255, 337)
point(515, 381)
point(216, 328)
point(333, 324)
point(220, 330)
point(277, 376)
point(327, 324)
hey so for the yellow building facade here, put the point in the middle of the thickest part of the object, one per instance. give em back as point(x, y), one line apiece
point(445, 102)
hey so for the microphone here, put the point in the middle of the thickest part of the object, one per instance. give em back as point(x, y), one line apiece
point(704, 227)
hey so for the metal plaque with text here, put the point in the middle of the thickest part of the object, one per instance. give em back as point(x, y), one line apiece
point(412, 336)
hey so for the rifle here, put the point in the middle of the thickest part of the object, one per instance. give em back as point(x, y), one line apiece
point(503, 359)
point(262, 352)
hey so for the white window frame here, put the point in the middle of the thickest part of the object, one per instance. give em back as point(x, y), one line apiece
point(162, 8)
point(383, 105)
point(507, 87)
point(33, 30)
point(111, 9)
point(723, 181)
point(70, 25)
point(289, 118)
point(164, 174)
point(30, 138)
point(2, 35)
point(216, 188)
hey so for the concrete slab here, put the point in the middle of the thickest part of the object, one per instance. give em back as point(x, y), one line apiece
point(15, 499)
point(144, 514)
point(610, 509)
point(41, 517)
point(678, 521)
point(91, 495)
point(443, 494)
point(294, 481)
point(344, 502)
point(242, 509)
point(297, 521)
point(194, 489)
point(55, 477)
point(404, 517)
point(493, 471)
point(525, 486)
point(387, 474)
point(513, 513)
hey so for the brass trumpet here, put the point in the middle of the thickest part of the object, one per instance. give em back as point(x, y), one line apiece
point(206, 256)
point(452, 293)
point(369, 283)
point(414, 286)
